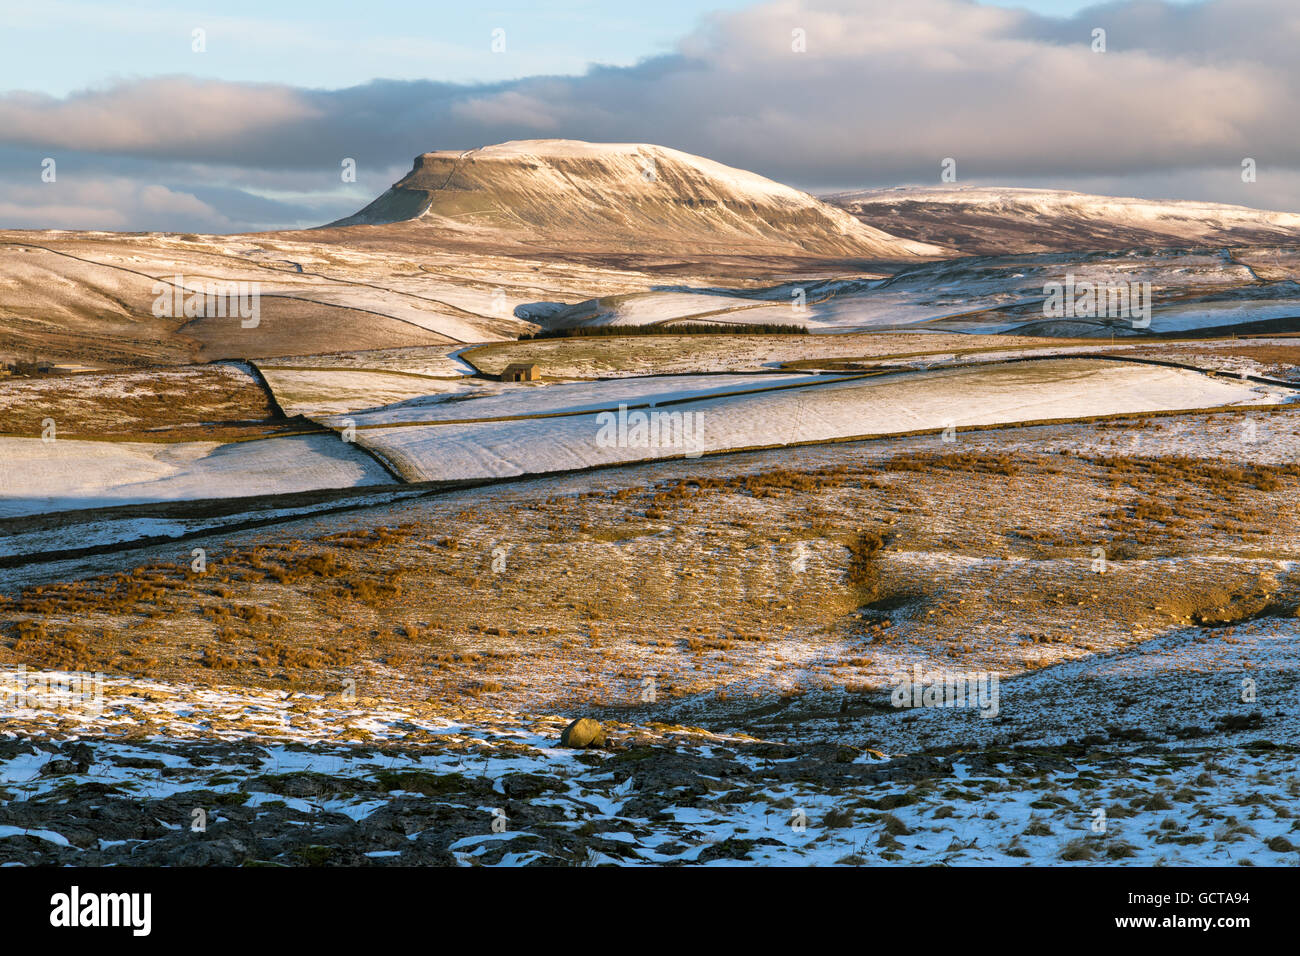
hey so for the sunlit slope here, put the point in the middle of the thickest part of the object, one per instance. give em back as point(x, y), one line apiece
point(465, 444)
point(622, 194)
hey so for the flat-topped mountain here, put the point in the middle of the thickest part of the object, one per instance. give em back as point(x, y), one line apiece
point(621, 195)
point(978, 220)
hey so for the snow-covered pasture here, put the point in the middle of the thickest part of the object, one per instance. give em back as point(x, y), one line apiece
point(333, 391)
point(821, 410)
point(68, 474)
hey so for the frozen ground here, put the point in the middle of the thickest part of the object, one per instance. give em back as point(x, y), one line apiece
point(1190, 289)
point(1159, 736)
point(337, 391)
point(369, 673)
point(123, 527)
point(540, 400)
point(482, 429)
point(1091, 762)
point(988, 220)
point(68, 474)
point(823, 410)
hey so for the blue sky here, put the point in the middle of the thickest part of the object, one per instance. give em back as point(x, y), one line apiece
point(60, 46)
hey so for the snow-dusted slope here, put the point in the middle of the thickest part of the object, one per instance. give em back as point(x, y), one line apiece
point(622, 194)
point(68, 474)
point(981, 220)
point(1198, 291)
point(824, 410)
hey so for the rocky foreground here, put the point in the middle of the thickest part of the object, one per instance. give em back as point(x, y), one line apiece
point(166, 777)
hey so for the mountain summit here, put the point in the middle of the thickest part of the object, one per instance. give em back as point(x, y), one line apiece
point(622, 196)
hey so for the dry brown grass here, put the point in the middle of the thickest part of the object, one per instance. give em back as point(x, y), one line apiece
point(190, 403)
point(689, 582)
point(1187, 498)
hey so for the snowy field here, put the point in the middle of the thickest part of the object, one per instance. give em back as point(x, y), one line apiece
point(488, 430)
point(370, 782)
point(76, 532)
point(822, 411)
point(652, 308)
point(68, 474)
point(1189, 317)
point(1155, 741)
point(336, 391)
point(1189, 290)
point(500, 400)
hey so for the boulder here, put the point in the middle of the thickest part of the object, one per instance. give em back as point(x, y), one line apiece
point(583, 732)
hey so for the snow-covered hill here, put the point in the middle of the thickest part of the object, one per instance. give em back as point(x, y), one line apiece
point(622, 195)
point(978, 220)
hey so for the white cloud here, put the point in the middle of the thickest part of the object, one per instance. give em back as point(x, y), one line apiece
point(108, 203)
point(162, 116)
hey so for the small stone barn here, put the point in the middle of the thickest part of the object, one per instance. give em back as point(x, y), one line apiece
point(521, 372)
